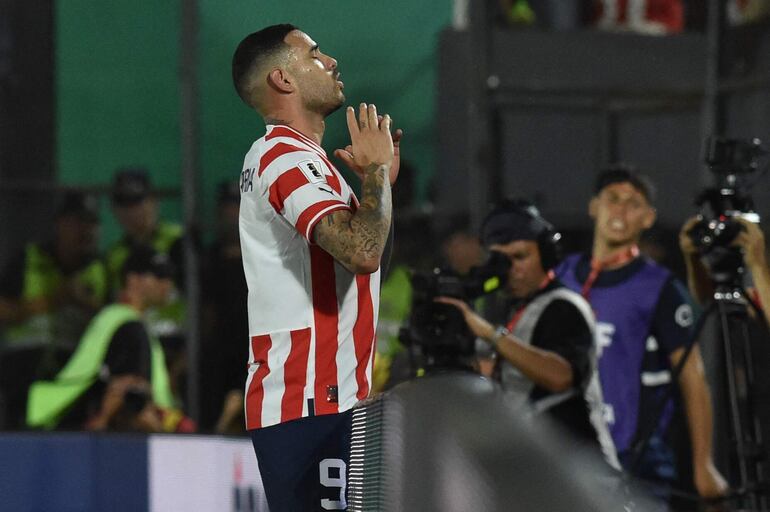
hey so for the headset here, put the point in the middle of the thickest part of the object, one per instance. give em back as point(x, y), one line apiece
point(518, 219)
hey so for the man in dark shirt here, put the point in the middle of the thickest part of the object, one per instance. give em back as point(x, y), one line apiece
point(547, 347)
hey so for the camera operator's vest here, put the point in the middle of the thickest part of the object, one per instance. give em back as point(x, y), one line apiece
point(519, 388)
point(624, 313)
point(48, 400)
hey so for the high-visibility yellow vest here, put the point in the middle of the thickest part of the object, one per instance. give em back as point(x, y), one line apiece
point(49, 400)
point(163, 239)
point(44, 278)
point(395, 305)
point(169, 318)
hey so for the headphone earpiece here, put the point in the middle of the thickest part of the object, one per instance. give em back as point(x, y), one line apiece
point(547, 238)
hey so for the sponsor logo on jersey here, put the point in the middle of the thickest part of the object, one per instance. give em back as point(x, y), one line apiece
point(313, 170)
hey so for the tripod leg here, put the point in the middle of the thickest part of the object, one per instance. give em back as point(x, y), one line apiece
point(744, 423)
point(752, 417)
point(735, 413)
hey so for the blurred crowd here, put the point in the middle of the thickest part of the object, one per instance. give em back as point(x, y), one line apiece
point(652, 17)
point(93, 339)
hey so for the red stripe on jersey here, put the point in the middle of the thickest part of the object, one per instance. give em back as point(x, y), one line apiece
point(363, 334)
point(304, 226)
point(325, 315)
point(260, 345)
point(333, 180)
point(285, 131)
point(276, 151)
point(284, 185)
point(295, 375)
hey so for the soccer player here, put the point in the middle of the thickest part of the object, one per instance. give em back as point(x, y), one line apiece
point(311, 255)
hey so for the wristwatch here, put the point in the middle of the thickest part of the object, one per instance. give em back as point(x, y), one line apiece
point(500, 332)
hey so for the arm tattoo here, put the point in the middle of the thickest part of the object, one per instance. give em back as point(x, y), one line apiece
point(373, 217)
point(360, 236)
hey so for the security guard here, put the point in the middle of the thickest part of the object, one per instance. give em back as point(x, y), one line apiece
point(50, 291)
point(116, 343)
point(48, 294)
point(135, 205)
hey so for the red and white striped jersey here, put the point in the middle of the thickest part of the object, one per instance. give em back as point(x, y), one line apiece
point(311, 321)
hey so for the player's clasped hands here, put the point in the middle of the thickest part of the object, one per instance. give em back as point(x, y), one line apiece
point(371, 142)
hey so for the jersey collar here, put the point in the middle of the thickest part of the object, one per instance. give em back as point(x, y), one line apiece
point(298, 135)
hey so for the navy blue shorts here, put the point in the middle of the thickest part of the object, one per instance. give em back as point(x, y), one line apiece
point(303, 463)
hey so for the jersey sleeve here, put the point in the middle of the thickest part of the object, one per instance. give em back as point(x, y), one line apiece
point(563, 330)
point(302, 189)
point(674, 317)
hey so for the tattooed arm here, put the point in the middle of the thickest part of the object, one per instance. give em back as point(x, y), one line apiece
point(357, 240)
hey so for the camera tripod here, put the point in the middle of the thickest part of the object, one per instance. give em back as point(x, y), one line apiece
point(736, 376)
point(745, 469)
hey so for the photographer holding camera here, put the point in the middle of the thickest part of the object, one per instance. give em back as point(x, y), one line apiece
point(547, 346)
point(751, 242)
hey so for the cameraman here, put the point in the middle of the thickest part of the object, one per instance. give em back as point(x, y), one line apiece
point(547, 346)
point(751, 241)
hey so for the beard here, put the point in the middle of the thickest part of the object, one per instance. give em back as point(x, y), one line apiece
point(325, 106)
point(323, 100)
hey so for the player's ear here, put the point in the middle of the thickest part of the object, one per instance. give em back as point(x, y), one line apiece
point(280, 80)
point(649, 217)
point(593, 207)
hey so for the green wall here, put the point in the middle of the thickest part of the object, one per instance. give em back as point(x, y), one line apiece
point(117, 82)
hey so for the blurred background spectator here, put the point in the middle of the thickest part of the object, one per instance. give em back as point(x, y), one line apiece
point(116, 344)
point(224, 349)
point(135, 205)
point(460, 248)
point(48, 294)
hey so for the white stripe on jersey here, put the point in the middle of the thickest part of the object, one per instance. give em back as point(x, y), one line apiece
point(252, 369)
point(347, 291)
point(374, 287)
point(273, 383)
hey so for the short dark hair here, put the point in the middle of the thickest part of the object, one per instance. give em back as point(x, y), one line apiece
point(78, 204)
point(624, 173)
point(143, 259)
point(131, 185)
point(254, 50)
